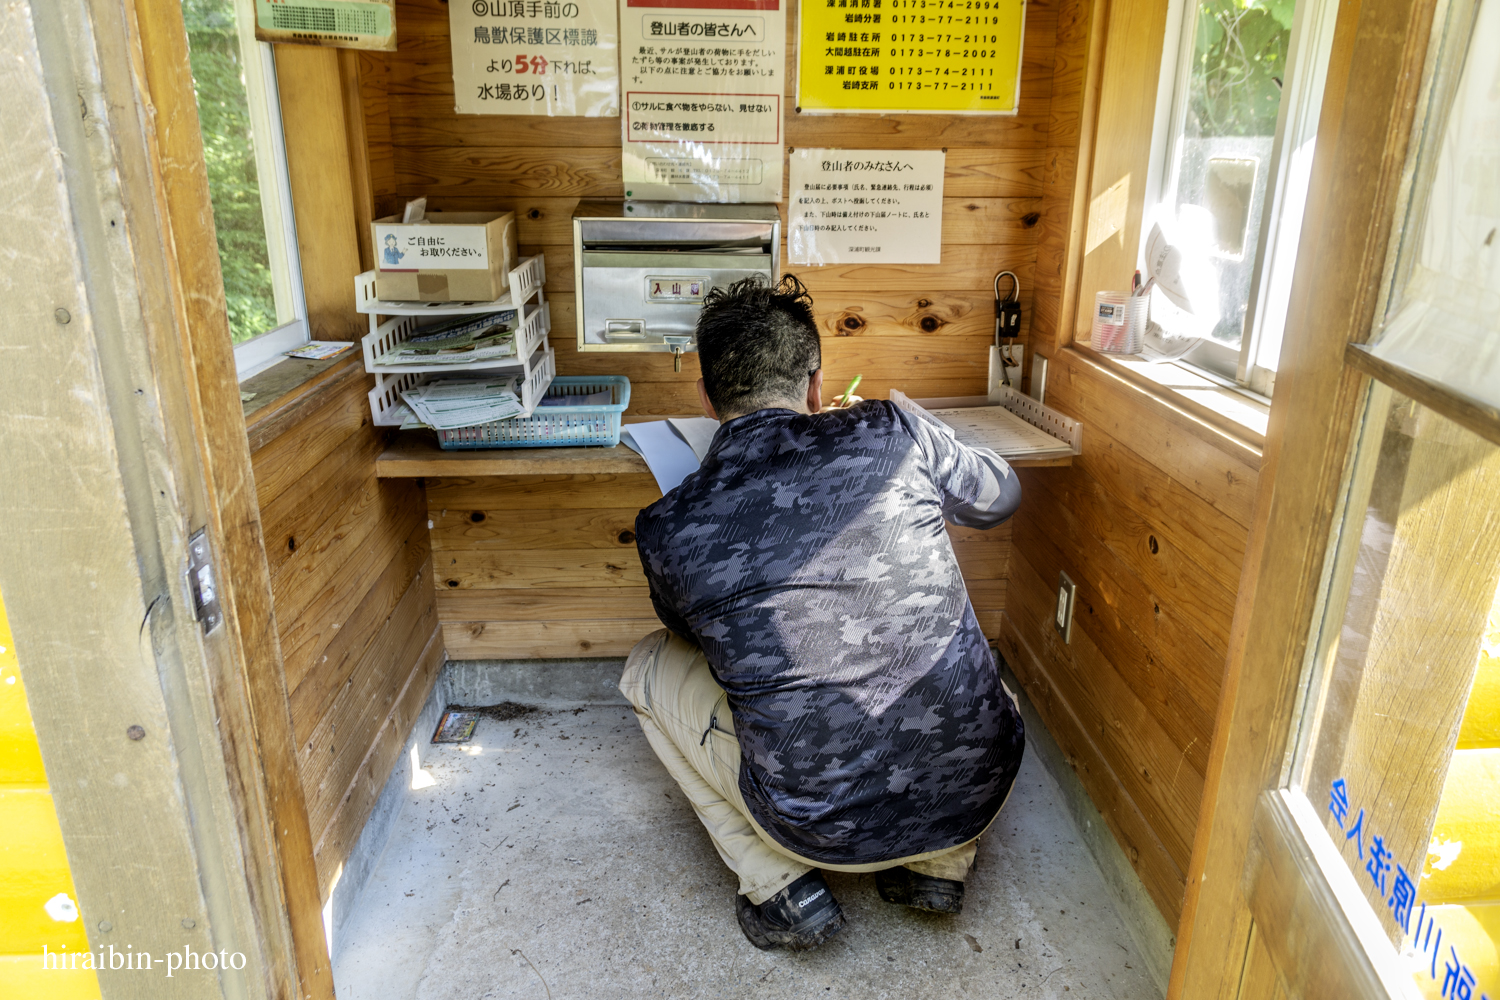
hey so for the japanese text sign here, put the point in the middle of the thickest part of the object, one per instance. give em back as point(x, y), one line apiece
point(534, 57)
point(412, 248)
point(948, 56)
point(702, 82)
point(857, 206)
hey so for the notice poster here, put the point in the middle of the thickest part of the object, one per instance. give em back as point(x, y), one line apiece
point(866, 206)
point(940, 56)
point(702, 85)
point(534, 57)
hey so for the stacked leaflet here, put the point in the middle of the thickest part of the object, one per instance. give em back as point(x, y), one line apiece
point(463, 340)
point(447, 404)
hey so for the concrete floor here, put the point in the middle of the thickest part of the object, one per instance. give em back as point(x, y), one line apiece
point(553, 858)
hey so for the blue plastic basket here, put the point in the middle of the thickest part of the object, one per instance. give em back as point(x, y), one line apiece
point(553, 426)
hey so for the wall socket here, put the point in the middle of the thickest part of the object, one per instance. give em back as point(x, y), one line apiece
point(1067, 595)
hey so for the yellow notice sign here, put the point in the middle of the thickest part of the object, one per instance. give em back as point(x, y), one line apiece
point(939, 56)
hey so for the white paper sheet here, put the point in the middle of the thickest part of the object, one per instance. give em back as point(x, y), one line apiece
point(670, 458)
point(446, 405)
point(702, 112)
point(866, 206)
point(698, 432)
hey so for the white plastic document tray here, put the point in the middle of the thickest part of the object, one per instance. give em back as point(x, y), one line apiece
point(387, 410)
point(1013, 425)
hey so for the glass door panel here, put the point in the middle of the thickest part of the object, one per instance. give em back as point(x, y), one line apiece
point(1399, 750)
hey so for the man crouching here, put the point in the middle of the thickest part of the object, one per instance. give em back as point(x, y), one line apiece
point(822, 692)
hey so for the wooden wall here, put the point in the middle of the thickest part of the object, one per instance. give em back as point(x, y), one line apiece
point(549, 567)
point(351, 576)
point(1152, 520)
point(546, 566)
point(923, 329)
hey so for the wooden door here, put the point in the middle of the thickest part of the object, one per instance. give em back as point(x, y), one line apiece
point(1349, 844)
point(164, 728)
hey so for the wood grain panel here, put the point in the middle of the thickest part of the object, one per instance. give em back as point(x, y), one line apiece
point(291, 458)
point(343, 830)
point(1141, 634)
point(593, 604)
point(1161, 876)
point(542, 492)
point(505, 529)
point(1163, 783)
point(324, 635)
point(1220, 471)
point(1203, 603)
point(487, 569)
point(490, 171)
point(544, 639)
point(341, 739)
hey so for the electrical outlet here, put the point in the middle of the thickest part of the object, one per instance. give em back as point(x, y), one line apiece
point(1067, 594)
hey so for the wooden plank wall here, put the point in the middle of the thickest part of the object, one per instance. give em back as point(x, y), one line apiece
point(1151, 521)
point(351, 575)
point(923, 329)
point(545, 566)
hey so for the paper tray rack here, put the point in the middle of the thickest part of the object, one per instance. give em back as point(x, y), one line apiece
point(1065, 430)
point(387, 410)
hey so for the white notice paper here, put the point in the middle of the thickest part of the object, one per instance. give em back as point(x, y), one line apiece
point(702, 82)
point(669, 457)
point(866, 206)
point(534, 57)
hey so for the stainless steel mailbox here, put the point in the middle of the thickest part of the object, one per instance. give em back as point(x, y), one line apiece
point(642, 269)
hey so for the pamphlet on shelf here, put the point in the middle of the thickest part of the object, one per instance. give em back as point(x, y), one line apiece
point(446, 404)
point(321, 350)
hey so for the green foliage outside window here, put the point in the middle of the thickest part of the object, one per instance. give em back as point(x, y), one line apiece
point(1239, 55)
point(224, 115)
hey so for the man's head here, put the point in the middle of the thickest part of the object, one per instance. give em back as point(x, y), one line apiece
point(758, 347)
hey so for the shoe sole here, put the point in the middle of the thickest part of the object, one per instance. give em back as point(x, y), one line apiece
point(926, 902)
point(766, 938)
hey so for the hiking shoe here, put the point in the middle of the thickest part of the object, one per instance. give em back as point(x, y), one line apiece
point(920, 892)
point(799, 917)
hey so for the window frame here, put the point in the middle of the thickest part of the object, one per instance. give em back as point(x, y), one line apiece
point(1250, 368)
point(264, 99)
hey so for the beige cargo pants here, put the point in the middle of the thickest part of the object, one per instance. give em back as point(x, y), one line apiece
point(686, 718)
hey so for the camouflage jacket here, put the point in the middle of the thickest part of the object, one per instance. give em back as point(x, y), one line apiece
point(809, 560)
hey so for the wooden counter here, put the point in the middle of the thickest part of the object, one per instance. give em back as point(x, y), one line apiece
point(415, 454)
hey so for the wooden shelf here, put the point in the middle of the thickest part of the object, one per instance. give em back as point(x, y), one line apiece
point(416, 454)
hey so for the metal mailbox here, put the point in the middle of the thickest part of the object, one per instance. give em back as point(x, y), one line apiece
point(642, 269)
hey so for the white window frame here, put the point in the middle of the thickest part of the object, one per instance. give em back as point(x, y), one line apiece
point(1251, 368)
point(261, 352)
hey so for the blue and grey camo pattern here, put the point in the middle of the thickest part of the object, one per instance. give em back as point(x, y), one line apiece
point(809, 560)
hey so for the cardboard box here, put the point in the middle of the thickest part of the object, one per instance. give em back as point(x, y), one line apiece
point(447, 257)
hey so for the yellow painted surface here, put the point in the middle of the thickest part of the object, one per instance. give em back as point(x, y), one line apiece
point(1471, 931)
point(33, 864)
point(1466, 836)
point(1481, 725)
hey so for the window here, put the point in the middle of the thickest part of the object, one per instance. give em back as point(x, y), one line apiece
point(1237, 120)
point(234, 78)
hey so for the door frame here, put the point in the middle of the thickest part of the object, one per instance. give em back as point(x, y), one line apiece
point(167, 745)
point(1249, 854)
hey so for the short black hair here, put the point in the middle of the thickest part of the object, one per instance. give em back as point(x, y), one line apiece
point(757, 343)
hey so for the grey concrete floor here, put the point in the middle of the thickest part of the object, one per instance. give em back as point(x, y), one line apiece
point(553, 858)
